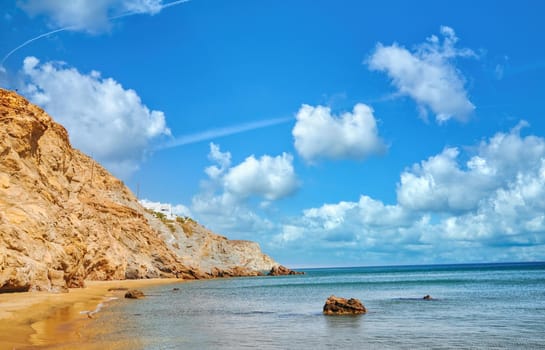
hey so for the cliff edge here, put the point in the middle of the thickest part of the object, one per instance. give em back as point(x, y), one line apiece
point(65, 219)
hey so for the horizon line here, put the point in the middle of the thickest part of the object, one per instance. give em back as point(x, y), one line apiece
point(526, 262)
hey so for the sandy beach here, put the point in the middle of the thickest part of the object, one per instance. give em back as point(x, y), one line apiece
point(41, 320)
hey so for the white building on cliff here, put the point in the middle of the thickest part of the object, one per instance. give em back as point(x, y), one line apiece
point(162, 208)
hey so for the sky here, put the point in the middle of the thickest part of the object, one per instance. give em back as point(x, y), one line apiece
point(333, 133)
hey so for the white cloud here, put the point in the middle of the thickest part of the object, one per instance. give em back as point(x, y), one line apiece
point(223, 161)
point(443, 184)
point(488, 208)
point(269, 177)
point(330, 216)
point(319, 134)
point(102, 118)
point(223, 202)
point(365, 223)
point(440, 184)
point(428, 74)
point(289, 233)
point(91, 16)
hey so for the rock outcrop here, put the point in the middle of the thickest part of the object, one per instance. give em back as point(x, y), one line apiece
point(213, 254)
point(134, 294)
point(341, 306)
point(280, 270)
point(65, 219)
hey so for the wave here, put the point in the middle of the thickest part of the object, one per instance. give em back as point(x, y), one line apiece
point(99, 307)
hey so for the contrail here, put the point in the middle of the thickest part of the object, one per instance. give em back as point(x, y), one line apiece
point(170, 4)
point(219, 132)
point(174, 3)
point(31, 40)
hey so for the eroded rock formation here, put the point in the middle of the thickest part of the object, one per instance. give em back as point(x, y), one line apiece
point(64, 218)
point(213, 254)
point(341, 306)
point(280, 270)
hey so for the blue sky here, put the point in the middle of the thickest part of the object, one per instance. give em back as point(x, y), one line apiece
point(332, 133)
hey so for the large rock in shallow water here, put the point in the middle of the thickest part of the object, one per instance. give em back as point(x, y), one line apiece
point(341, 306)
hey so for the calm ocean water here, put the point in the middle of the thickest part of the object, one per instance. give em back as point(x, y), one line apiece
point(498, 306)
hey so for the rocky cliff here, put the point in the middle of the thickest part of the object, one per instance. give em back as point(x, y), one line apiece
point(213, 254)
point(64, 218)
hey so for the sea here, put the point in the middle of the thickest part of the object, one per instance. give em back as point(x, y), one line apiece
point(473, 306)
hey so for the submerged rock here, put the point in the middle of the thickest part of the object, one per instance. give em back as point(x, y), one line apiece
point(280, 270)
point(341, 306)
point(134, 294)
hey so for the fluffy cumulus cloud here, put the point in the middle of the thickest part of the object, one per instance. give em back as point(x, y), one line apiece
point(92, 16)
point(428, 74)
point(482, 206)
point(266, 177)
point(444, 184)
point(319, 134)
point(223, 202)
point(269, 177)
point(365, 223)
point(104, 120)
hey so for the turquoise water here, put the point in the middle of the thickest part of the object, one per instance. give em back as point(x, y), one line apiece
point(499, 306)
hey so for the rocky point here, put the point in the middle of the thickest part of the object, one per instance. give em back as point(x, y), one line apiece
point(65, 219)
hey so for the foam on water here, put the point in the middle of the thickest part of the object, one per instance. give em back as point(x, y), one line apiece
point(98, 308)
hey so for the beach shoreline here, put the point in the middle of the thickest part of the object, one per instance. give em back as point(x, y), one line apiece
point(33, 320)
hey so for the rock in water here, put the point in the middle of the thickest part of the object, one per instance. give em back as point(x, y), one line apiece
point(341, 306)
point(280, 270)
point(134, 294)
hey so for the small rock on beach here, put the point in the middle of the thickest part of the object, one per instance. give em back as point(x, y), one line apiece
point(134, 294)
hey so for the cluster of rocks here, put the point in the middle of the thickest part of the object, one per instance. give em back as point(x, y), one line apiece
point(280, 270)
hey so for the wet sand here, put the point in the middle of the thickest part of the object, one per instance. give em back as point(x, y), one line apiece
point(40, 320)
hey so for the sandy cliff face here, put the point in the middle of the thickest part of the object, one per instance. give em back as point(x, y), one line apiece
point(211, 253)
point(64, 218)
